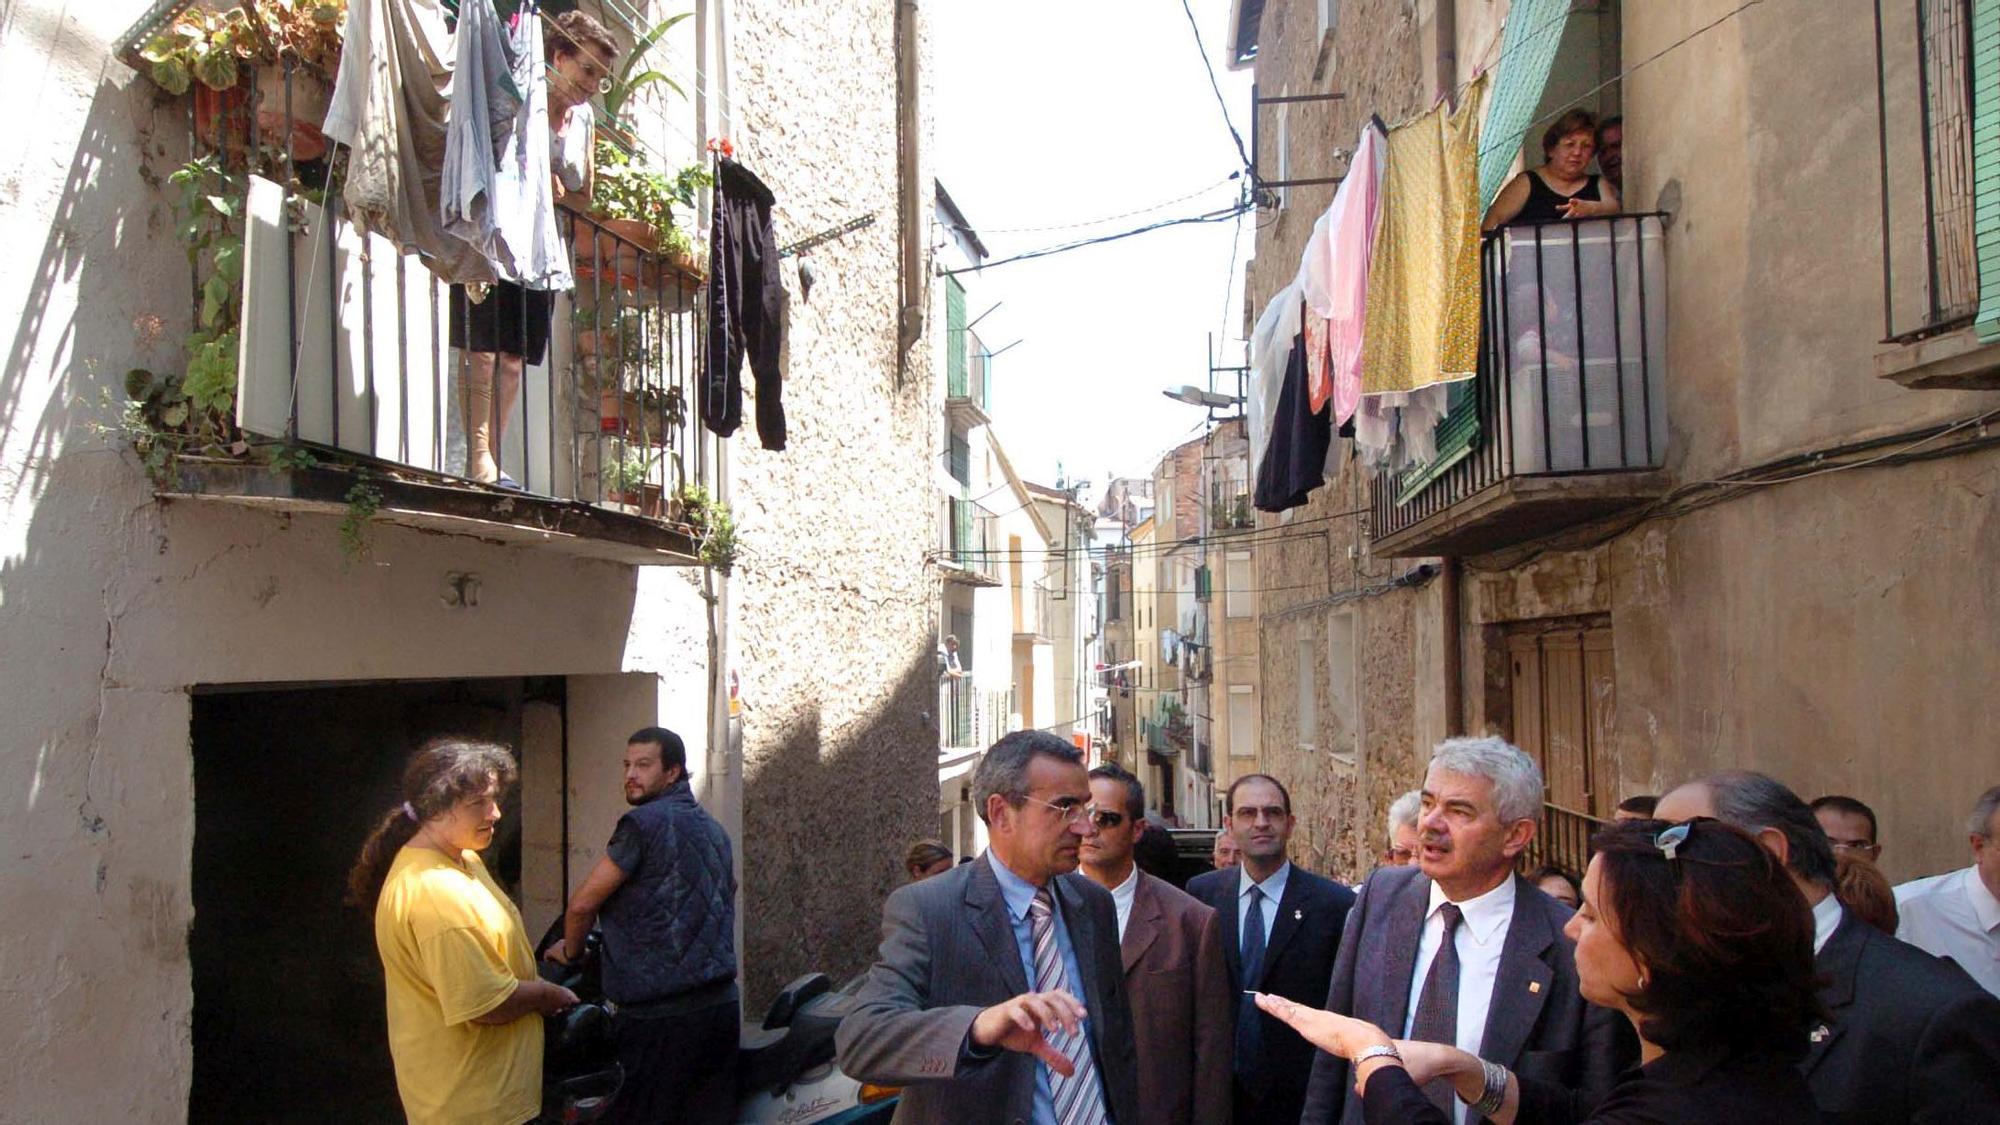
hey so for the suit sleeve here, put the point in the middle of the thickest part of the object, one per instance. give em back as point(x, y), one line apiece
point(1958, 1061)
point(891, 1037)
point(1326, 1091)
point(1391, 1096)
point(1214, 1025)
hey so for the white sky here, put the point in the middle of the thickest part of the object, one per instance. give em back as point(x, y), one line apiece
point(1057, 111)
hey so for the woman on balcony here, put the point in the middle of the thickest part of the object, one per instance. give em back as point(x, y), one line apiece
point(510, 328)
point(1562, 189)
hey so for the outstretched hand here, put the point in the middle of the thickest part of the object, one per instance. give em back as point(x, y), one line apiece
point(1334, 1034)
point(1023, 1023)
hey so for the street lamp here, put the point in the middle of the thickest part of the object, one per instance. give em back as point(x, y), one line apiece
point(1195, 396)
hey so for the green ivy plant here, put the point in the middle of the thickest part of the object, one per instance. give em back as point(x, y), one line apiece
point(363, 501)
point(711, 520)
point(194, 411)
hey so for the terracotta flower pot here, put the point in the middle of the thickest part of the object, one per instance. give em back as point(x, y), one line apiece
point(227, 111)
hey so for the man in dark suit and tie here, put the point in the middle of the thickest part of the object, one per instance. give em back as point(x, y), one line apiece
point(1280, 928)
point(998, 994)
point(1908, 1037)
point(1175, 975)
point(1461, 950)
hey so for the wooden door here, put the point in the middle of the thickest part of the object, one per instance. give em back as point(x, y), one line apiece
point(1565, 709)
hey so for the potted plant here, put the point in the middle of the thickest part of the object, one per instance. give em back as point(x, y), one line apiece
point(709, 520)
point(635, 205)
point(207, 51)
point(625, 478)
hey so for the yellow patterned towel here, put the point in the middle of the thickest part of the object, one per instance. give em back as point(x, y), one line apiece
point(1423, 279)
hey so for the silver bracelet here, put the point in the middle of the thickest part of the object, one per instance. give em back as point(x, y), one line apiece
point(1495, 1093)
point(1378, 1051)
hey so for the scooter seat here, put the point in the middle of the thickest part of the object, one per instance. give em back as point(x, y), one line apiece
point(764, 1059)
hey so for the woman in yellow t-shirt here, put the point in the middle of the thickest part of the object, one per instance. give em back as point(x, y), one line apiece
point(465, 1004)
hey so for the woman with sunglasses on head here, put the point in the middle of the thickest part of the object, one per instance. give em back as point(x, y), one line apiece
point(1697, 935)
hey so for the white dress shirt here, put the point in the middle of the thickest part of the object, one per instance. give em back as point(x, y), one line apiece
point(1480, 936)
point(1274, 890)
point(1121, 899)
point(1954, 915)
point(1826, 919)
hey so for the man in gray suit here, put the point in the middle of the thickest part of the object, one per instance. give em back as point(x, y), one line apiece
point(998, 994)
point(1461, 950)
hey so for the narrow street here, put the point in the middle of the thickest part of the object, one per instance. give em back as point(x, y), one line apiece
point(1183, 561)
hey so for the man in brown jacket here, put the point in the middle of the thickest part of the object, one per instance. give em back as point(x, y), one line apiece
point(1175, 974)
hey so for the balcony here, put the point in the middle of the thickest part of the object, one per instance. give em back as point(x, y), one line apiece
point(966, 391)
point(1569, 408)
point(969, 717)
point(1229, 510)
point(346, 383)
point(971, 543)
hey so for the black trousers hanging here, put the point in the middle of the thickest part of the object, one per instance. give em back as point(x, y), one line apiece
point(745, 307)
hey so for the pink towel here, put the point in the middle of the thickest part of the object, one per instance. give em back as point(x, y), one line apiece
point(1336, 274)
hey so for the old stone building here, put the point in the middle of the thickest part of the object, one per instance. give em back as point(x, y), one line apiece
point(1790, 580)
point(214, 674)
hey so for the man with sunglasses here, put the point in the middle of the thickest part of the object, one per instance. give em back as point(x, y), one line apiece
point(1175, 975)
point(1280, 928)
point(998, 994)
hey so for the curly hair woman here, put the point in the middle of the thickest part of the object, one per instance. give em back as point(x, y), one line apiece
point(464, 1001)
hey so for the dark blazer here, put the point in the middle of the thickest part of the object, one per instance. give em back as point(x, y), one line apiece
point(1537, 1024)
point(948, 952)
point(1709, 1087)
point(1182, 1008)
point(1298, 959)
point(1908, 1037)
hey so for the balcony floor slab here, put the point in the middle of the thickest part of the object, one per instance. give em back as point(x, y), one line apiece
point(1518, 509)
point(572, 527)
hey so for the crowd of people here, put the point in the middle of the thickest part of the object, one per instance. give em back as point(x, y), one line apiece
point(1730, 954)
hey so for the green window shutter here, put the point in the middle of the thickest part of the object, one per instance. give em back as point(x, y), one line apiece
point(1457, 435)
point(954, 338)
point(1986, 162)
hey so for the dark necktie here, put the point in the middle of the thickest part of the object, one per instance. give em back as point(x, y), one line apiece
point(1437, 1006)
point(1249, 1018)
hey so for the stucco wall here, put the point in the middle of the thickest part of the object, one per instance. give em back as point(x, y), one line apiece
point(834, 607)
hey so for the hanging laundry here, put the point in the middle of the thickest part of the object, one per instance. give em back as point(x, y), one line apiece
point(1270, 350)
point(498, 191)
point(1295, 463)
point(745, 306)
point(1336, 272)
point(1423, 278)
point(389, 106)
point(574, 143)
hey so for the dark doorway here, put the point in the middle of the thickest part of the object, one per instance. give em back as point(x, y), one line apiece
point(288, 1003)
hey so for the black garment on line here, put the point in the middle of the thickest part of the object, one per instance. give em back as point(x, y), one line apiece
point(745, 306)
point(1295, 457)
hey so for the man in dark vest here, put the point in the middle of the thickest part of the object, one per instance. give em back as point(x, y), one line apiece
point(665, 892)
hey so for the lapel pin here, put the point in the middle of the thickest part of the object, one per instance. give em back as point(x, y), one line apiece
point(1820, 1033)
point(1298, 915)
point(1534, 986)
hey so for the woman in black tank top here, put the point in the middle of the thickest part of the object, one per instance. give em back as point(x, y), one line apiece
point(1560, 189)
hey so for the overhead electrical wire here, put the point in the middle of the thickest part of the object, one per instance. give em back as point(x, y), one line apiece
point(1221, 102)
point(1223, 215)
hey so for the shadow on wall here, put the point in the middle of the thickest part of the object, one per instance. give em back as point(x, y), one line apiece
point(824, 830)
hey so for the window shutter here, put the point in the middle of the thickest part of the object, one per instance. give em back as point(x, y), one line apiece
point(954, 338)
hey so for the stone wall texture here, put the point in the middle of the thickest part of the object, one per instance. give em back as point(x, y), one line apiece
point(1827, 630)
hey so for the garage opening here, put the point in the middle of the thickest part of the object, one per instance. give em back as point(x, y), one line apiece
point(288, 1008)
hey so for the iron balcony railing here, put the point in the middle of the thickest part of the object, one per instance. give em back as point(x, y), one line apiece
point(1562, 839)
point(967, 381)
point(971, 538)
point(345, 341)
point(956, 712)
point(1924, 73)
point(1572, 367)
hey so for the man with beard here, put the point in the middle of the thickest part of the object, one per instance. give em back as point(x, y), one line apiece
point(1280, 928)
point(666, 893)
point(1461, 950)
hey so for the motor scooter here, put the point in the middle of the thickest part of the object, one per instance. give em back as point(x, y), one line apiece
point(785, 1069)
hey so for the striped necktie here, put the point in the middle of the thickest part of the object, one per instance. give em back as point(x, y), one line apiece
point(1078, 1100)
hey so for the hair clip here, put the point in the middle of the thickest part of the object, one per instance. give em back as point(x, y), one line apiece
point(1669, 841)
